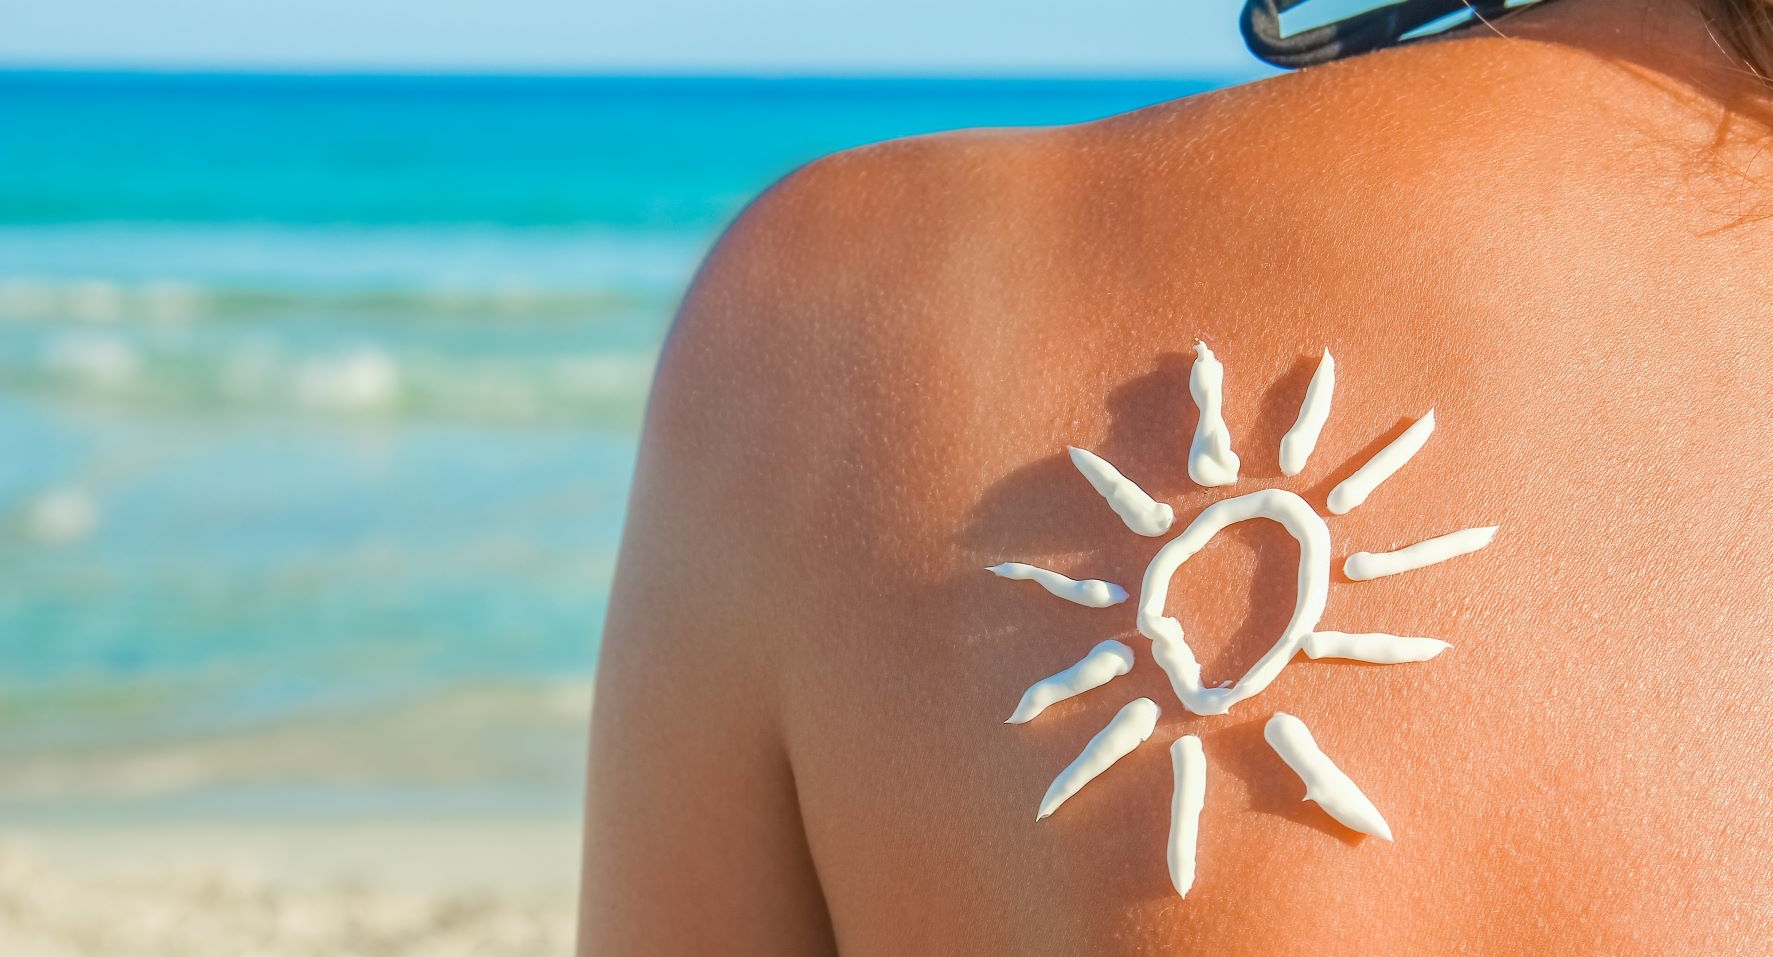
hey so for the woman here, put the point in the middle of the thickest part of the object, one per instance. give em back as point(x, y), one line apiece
point(1552, 230)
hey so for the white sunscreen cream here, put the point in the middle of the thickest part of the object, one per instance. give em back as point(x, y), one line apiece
point(1324, 781)
point(1354, 489)
point(1143, 514)
point(1362, 566)
point(1190, 765)
point(1211, 462)
point(1126, 731)
point(1089, 592)
point(1301, 439)
point(1168, 645)
point(1105, 662)
point(1378, 649)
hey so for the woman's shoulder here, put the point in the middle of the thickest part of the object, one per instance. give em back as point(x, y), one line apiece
point(872, 296)
point(1434, 135)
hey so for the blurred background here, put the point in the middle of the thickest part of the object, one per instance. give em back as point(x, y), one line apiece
point(325, 335)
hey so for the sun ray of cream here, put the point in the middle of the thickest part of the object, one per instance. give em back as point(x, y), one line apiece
point(1090, 592)
point(1190, 765)
point(1143, 514)
point(1169, 646)
point(1325, 783)
point(1105, 662)
point(1362, 566)
point(1297, 445)
point(1374, 648)
point(1125, 731)
point(1211, 462)
point(1353, 490)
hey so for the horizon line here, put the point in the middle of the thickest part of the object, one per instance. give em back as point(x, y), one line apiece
point(345, 71)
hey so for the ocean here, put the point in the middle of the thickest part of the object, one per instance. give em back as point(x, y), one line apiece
point(319, 397)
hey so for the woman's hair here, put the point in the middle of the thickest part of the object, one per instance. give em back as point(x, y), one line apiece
point(1747, 25)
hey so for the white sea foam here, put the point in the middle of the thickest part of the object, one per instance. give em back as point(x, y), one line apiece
point(467, 259)
point(63, 516)
point(98, 300)
point(364, 378)
point(104, 361)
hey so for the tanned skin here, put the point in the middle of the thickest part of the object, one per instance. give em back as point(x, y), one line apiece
point(1558, 240)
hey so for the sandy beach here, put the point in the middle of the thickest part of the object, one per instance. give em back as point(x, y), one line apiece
point(375, 888)
point(446, 825)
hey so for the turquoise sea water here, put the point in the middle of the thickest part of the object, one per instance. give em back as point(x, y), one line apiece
point(319, 397)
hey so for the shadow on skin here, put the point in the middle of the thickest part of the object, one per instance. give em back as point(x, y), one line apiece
point(1279, 410)
point(1046, 507)
point(1320, 492)
point(1242, 752)
point(1151, 420)
point(1041, 509)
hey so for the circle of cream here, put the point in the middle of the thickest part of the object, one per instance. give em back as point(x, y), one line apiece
point(1169, 646)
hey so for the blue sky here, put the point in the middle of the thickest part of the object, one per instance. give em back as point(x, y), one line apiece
point(967, 37)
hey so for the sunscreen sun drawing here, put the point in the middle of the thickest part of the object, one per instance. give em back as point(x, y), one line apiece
point(1212, 463)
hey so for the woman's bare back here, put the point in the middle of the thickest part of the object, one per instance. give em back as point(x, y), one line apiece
point(798, 737)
